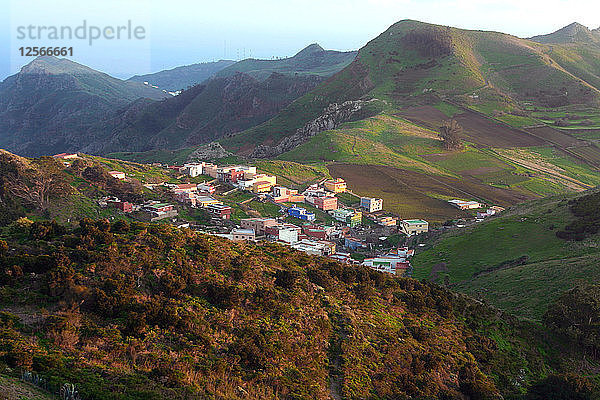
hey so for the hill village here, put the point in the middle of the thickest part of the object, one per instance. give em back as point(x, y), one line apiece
point(326, 219)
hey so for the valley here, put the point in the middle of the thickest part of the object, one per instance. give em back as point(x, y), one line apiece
point(417, 219)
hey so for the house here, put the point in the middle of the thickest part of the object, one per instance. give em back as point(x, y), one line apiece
point(317, 248)
point(243, 235)
point(233, 174)
point(122, 206)
point(230, 175)
point(489, 212)
point(465, 205)
point(193, 169)
point(186, 197)
point(185, 187)
point(220, 211)
point(204, 201)
point(210, 170)
point(282, 194)
point(66, 156)
point(387, 221)
point(317, 232)
point(258, 224)
point(158, 207)
point(313, 192)
point(348, 216)
point(354, 244)
point(335, 185)
point(326, 203)
point(262, 186)
point(158, 211)
point(371, 205)
point(117, 174)
point(343, 258)
point(300, 213)
point(413, 226)
point(285, 232)
point(206, 188)
point(391, 264)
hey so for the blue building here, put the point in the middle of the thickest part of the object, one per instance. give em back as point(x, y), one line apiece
point(354, 244)
point(300, 213)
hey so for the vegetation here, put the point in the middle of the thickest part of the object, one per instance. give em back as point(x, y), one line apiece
point(587, 211)
point(449, 132)
point(134, 311)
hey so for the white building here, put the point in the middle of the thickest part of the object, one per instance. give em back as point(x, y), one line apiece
point(391, 264)
point(413, 226)
point(320, 248)
point(465, 205)
point(370, 204)
point(194, 169)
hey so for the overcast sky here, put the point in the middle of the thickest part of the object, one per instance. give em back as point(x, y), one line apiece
point(180, 32)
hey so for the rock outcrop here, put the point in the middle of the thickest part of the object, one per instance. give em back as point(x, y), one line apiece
point(333, 116)
point(209, 151)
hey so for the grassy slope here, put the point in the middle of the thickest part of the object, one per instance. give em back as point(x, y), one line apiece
point(14, 389)
point(525, 230)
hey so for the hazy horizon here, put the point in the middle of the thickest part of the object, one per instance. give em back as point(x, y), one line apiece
point(194, 32)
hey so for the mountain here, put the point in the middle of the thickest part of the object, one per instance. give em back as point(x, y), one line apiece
point(147, 311)
point(50, 104)
point(238, 97)
point(200, 114)
point(312, 60)
point(183, 77)
point(414, 63)
point(573, 33)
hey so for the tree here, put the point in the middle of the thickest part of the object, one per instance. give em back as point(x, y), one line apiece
point(562, 387)
point(576, 316)
point(37, 185)
point(449, 133)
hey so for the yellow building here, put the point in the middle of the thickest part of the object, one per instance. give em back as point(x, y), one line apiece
point(262, 187)
point(335, 185)
point(203, 201)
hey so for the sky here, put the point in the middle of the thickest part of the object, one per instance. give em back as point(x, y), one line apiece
point(181, 32)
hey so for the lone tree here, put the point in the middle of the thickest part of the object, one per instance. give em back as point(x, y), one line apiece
point(449, 132)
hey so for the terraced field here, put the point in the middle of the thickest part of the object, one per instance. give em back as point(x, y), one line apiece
point(411, 194)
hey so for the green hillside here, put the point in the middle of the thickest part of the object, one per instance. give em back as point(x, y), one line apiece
point(413, 61)
point(514, 261)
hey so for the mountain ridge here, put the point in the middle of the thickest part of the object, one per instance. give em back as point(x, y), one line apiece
point(184, 76)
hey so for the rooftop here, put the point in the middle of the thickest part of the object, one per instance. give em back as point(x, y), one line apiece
point(414, 221)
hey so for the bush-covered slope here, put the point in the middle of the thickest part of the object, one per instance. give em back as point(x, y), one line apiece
point(217, 108)
point(147, 311)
